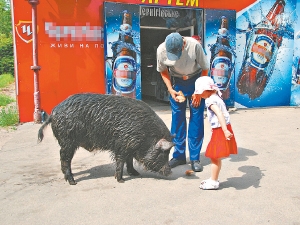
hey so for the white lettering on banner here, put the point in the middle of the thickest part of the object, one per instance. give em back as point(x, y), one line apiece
point(75, 33)
point(61, 45)
point(26, 29)
point(158, 12)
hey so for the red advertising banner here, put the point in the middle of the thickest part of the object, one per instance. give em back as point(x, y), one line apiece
point(71, 47)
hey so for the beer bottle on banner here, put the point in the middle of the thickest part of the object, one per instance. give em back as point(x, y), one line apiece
point(221, 60)
point(298, 73)
point(262, 48)
point(124, 65)
point(126, 28)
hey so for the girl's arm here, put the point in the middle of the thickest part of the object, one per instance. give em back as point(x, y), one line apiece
point(222, 121)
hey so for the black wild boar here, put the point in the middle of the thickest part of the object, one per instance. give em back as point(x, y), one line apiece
point(126, 127)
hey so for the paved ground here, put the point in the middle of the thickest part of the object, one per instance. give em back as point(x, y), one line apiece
point(260, 185)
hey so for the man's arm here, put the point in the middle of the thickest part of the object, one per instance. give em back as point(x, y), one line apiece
point(202, 60)
point(166, 78)
point(204, 73)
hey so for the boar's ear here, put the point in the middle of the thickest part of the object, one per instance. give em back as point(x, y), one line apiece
point(164, 144)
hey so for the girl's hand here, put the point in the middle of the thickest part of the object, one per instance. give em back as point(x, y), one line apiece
point(228, 134)
point(196, 100)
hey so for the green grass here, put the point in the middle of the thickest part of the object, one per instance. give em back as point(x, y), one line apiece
point(9, 116)
point(6, 79)
point(5, 100)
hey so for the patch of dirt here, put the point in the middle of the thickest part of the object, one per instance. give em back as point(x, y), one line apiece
point(10, 91)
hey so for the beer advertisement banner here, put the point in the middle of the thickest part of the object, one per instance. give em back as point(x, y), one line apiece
point(265, 43)
point(295, 92)
point(220, 32)
point(122, 49)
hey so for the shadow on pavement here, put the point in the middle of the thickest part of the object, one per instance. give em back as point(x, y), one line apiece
point(252, 175)
point(243, 155)
point(251, 178)
point(108, 170)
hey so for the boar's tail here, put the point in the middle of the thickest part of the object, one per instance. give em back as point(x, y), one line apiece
point(41, 130)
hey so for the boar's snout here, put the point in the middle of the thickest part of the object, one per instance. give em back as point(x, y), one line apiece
point(165, 170)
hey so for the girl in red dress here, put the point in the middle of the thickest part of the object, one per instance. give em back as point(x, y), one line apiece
point(222, 142)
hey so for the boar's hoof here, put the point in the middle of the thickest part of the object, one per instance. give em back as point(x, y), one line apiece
point(121, 181)
point(119, 178)
point(70, 179)
point(133, 172)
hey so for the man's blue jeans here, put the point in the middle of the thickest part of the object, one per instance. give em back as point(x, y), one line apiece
point(195, 130)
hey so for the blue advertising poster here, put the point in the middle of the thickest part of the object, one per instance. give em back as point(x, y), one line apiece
point(220, 45)
point(265, 40)
point(122, 49)
point(295, 91)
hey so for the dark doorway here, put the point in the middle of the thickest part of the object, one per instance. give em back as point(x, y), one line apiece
point(155, 24)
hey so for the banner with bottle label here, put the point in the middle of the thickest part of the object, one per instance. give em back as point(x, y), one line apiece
point(265, 44)
point(122, 49)
point(295, 91)
point(220, 44)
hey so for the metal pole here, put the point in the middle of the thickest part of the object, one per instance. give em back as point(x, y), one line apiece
point(36, 96)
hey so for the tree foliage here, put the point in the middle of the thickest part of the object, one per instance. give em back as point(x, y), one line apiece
point(5, 18)
point(6, 40)
point(6, 55)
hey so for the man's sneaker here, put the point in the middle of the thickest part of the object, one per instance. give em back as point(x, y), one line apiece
point(176, 162)
point(209, 184)
point(196, 166)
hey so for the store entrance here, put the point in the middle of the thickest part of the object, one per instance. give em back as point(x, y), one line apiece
point(153, 87)
point(132, 35)
point(155, 24)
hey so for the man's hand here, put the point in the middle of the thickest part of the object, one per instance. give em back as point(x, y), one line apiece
point(196, 100)
point(174, 94)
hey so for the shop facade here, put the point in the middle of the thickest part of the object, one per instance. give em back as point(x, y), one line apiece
point(110, 47)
